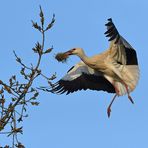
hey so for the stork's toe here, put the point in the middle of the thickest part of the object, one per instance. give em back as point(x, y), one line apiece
point(108, 111)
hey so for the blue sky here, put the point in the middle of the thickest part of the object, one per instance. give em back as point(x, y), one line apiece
point(77, 120)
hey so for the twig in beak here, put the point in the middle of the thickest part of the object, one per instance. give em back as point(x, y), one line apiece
point(62, 57)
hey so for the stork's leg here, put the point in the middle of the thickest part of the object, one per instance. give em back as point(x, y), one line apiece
point(109, 107)
point(129, 97)
point(116, 89)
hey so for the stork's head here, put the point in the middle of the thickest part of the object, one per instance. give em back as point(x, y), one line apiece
point(75, 51)
point(62, 57)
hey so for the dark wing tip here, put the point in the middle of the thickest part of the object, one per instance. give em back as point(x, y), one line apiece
point(112, 31)
point(109, 23)
point(47, 89)
point(56, 88)
point(110, 19)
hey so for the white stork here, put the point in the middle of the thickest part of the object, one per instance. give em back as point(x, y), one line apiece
point(115, 70)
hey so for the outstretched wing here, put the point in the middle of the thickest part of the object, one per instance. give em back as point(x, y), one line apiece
point(81, 77)
point(120, 49)
point(124, 58)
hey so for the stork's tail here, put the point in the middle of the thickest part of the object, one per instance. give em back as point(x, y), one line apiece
point(112, 31)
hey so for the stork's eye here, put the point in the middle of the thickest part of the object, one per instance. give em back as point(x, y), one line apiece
point(74, 49)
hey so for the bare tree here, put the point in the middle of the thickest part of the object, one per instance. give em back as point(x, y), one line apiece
point(16, 95)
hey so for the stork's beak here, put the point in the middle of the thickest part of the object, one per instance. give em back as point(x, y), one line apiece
point(69, 52)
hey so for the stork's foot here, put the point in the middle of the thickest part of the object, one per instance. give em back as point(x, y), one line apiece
point(109, 107)
point(130, 98)
point(108, 111)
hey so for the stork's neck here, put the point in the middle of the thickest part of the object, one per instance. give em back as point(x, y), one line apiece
point(85, 58)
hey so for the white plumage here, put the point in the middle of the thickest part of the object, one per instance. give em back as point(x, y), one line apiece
point(115, 70)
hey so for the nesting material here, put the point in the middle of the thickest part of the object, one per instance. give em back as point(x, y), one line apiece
point(61, 57)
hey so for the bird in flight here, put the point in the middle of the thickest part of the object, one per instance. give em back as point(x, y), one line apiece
point(115, 70)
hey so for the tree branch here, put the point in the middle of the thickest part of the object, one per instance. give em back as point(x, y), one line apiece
point(22, 93)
